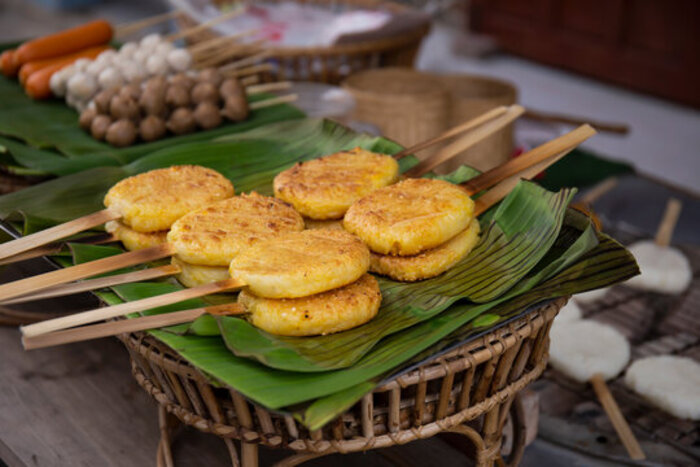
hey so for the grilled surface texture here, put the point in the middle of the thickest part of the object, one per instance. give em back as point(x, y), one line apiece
point(325, 188)
point(299, 264)
point(411, 216)
point(325, 313)
point(214, 235)
point(154, 200)
point(192, 275)
point(133, 240)
point(428, 263)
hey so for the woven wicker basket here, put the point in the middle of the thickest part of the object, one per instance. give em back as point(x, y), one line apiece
point(470, 390)
point(409, 106)
point(332, 64)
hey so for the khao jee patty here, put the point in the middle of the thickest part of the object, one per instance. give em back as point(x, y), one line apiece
point(428, 263)
point(324, 313)
point(411, 216)
point(324, 188)
point(153, 200)
point(133, 240)
point(298, 264)
point(214, 235)
point(193, 275)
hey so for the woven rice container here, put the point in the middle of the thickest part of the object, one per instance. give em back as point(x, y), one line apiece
point(409, 106)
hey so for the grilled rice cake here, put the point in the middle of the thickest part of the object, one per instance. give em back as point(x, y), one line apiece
point(133, 240)
point(192, 275)
point(299, 264)
point(411, 216)
point(428, 263)
point(214, 235)
point(325, 188)
point(325, 313)
point(333, 224)
point(152, 201)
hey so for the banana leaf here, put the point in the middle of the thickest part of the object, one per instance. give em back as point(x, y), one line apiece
point(58, 146)
point(522, 230)
point(249, 159)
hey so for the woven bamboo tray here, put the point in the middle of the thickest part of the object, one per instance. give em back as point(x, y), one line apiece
point(469, 390)
point(334, 63)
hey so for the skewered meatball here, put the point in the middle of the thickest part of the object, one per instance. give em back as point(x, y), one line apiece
point(179, 59)
point(102, 100)
point(207, 115)
point(177, 96)
point(99, 126)
point(152, 128)
point(181, 121)
point(86, 117)
point(182, 79)
point(202, 92)
point(153, 104)
point(210, 75)
point(123, 107)
point(132, 91)
point(157, 83)
point(121, 133)
point(236, 107)
point(230, 87)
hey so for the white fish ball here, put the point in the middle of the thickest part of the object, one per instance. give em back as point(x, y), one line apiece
point(58, 81)
point(663, 269)
point(81, 64)
point(82, 86)
point(110, 78)
point(179, 59)
point(141, 56)
point(164, 47)
point(107, 56)
point(157, 65)
point(150, 41)
point(132, 71)
point(95, 67)
point(128, 49)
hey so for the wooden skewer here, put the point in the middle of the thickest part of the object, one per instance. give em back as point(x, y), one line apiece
point(267, 87)
point(53, 248)
point(227, 53)
point(217, 41)
point(665, 231)
point(204, 26)
point(253, 59)
point(598, 190)
point(466, 126)
point(619, 128)
point(251, 70)
point(101, 314)
point(274, 101)
point(58, 232)
point(128, 325)
point(249, 80)
point(130, 28)
point(529, 159)
point(616, 418)
point(99, 283)
point(480, 130)
point(81, 271)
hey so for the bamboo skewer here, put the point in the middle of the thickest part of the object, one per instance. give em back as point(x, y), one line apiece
point(99, 283)
point(54, 248)
point(218, 41)
point(273, 101)
point(130, 28)
point(64, 230)
point(61, 276)
point(267, 87)
point(253, 59)
point(217, 57)
point(204, 26)
point(598, 191)
point(251, 70)
point(612, 409)
point(128, 325)
point(482, 126)
point(668, 224)
point(100, 314)
point(55, 332)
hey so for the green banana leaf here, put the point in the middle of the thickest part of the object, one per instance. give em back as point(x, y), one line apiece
point(249, 159)
point(55, 144)
point(523, 229)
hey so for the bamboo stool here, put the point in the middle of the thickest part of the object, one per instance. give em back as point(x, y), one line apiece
point(470, 390)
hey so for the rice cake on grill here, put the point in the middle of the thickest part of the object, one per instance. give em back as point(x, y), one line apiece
point(428, 263)
point(324, 188)
point(324, 313)
point(154, 200)
point(411, 216)
point(213, 236)
point(133, 240)
point(193, 275)
point(299, 264)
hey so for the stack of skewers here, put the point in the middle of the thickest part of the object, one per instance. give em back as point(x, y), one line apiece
point(294, 282)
